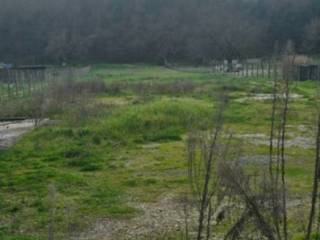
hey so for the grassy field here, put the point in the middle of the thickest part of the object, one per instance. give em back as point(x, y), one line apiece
point(127, 143)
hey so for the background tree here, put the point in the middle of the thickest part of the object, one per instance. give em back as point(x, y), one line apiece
point(312, 37)
point(41, 31)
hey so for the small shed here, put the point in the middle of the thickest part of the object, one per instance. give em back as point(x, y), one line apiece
point(308, 72)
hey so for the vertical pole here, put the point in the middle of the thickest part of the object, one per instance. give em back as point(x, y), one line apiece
point(8, 84)
point(15, 76)
point(29, 80)
point(247, 69)
point(252, 70)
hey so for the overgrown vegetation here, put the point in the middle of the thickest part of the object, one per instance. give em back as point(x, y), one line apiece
point(118, 138)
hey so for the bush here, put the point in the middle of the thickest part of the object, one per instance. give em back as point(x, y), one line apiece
point(171, 88)
point(159, 120)
point(79, 158)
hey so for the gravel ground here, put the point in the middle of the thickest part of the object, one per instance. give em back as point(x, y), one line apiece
point(262, 139)
point(156, 218)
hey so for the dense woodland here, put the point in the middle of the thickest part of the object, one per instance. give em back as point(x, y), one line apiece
point(42, 31)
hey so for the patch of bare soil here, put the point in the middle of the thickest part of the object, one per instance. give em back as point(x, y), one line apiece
point(11, 131)
point(262, 139)
point(255, 159)
point(267, 96)
point(156, 218)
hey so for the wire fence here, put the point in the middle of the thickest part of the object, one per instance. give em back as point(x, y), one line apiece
point(269, 69)
point(263, 69)
point(22, 82)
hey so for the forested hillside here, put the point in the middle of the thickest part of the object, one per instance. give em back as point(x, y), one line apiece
point(41, 31)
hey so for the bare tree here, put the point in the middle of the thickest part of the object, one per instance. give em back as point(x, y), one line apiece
point(312, 39)
point(38, 108)
point(204, 151)
point(316, 178)
point(267, 207)
point(315, 189)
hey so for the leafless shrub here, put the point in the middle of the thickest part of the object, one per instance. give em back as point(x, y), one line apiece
point(91, 87)
point(76, 96)
point(176, 87)
point(85, 109)
point(256, 207)
point(265, 207)
point(38, 108)
point(205, 150)
point(289, 61)
point(73, 89)
point(115, 88)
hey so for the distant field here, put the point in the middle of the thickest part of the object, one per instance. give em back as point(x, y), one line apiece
point(127, 144)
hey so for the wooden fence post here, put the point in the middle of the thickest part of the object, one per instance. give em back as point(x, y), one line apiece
point(247, 69)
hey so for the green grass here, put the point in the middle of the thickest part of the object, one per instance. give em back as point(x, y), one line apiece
point(131, 145)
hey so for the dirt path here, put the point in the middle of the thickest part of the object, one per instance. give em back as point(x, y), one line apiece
point(11, 131)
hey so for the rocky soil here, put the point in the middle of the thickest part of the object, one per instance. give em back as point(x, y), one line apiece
point(156, 218)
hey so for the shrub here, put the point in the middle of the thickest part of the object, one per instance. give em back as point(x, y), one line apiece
point(84, 160)
point(159, 120)
point(96, 140)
